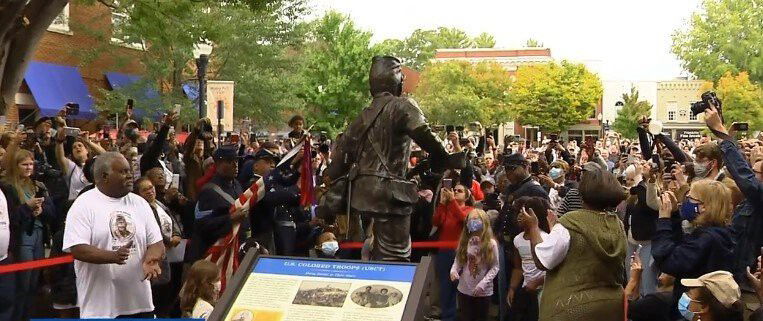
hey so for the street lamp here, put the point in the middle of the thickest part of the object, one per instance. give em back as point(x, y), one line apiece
point(201, 52)
point(601, 125)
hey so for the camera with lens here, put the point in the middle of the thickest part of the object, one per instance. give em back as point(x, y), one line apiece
point(44, 171)
point(708, 97)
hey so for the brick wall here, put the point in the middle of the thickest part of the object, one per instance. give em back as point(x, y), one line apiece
point(82, 48)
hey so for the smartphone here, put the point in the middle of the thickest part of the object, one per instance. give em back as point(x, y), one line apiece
point(234, 138)
point(130, 104)
point(450, 128)
point(175, 180)
point(638, 249)
point(740, 127)
point(438, 128)
point(553, 137)
point(71, 131)
point(447, 183)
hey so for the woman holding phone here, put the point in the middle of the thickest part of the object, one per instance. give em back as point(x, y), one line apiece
point(29, 204)
point(450, 214)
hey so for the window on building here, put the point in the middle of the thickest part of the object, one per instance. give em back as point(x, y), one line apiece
point(118, 33)
point(671, 115)
point(682, 114)
point(61, 23)
point(692, 116)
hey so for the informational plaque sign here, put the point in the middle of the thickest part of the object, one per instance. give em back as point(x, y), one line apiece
point(220, 90)
point(301, 289)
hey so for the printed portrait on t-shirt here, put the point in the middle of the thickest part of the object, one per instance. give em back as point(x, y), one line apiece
point(122, 229)
point(166, 226)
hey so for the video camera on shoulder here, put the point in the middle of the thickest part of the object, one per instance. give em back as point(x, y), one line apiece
point(707, 98)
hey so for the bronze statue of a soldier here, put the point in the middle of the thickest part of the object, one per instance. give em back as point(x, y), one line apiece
point(369, 165)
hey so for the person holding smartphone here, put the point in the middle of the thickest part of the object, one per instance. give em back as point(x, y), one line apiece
point(747, 219)
point(455, 204)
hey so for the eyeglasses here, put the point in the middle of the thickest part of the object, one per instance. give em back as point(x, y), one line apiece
point(694, 200)
point(459, 190)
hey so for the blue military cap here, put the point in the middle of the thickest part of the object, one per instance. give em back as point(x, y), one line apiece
point(225, 152)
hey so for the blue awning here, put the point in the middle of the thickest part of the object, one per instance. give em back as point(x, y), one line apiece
point(191, 91)
point(53, 86)
point(145, 95)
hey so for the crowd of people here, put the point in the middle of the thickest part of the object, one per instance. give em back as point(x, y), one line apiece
point(601, 228)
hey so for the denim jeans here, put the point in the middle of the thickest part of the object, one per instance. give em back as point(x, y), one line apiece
point(448, 292)
point(7, 292)
point(650, 272)
point(503, 284)
point(31, 248)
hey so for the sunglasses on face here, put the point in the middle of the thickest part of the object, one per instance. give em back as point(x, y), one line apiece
point(459, 190)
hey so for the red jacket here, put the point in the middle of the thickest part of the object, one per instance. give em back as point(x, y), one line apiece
point(477, 191)
point(449, 219)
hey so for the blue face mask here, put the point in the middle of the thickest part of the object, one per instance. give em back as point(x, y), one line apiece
point(555, 172)
point(683, 307)
point(474, 225)
point(688, 210)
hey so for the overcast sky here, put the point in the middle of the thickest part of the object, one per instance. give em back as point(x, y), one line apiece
point(623, 40)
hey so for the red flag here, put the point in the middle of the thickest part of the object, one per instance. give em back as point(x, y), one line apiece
point(306, 179)
point(224, 252)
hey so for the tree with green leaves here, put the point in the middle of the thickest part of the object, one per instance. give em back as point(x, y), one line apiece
point(457, 92)
point(532, 43)
point(725, 36)
point(22, 25)
point(334, 73)
point(252, 43)
point(742, 100)
point(554, 96)
point(628, 116)
point(420, 47)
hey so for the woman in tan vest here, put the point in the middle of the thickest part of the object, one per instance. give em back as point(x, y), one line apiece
point(584, 254)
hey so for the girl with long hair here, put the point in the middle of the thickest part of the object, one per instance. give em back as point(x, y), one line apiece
point(449, 216)
point(475, 267)
point(200, 291)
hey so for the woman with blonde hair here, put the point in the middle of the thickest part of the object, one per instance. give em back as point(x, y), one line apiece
point(475, 267)
point(201, 290)
point(709, 247)
point(29, 205)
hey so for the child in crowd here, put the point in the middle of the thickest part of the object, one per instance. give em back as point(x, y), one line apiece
point(526, 278)
point(201, 290)
point(326, 245)
point(475, 267)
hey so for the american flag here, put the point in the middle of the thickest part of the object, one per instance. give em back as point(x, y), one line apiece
point(306, 180)
point(224, 252)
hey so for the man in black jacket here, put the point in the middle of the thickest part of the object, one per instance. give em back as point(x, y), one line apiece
point(521, 184)
point(213, 219)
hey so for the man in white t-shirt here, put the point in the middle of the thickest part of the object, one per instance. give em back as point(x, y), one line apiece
point(7, 280)
point(116, 243)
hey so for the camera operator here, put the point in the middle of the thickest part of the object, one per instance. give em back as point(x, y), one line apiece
point(747, 220)
point(556, 151)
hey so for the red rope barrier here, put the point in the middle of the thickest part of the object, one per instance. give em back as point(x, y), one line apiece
point(66, 259)
point(415, 245)
point(37, 264)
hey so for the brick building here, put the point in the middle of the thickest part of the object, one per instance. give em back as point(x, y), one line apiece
point(66, 52)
